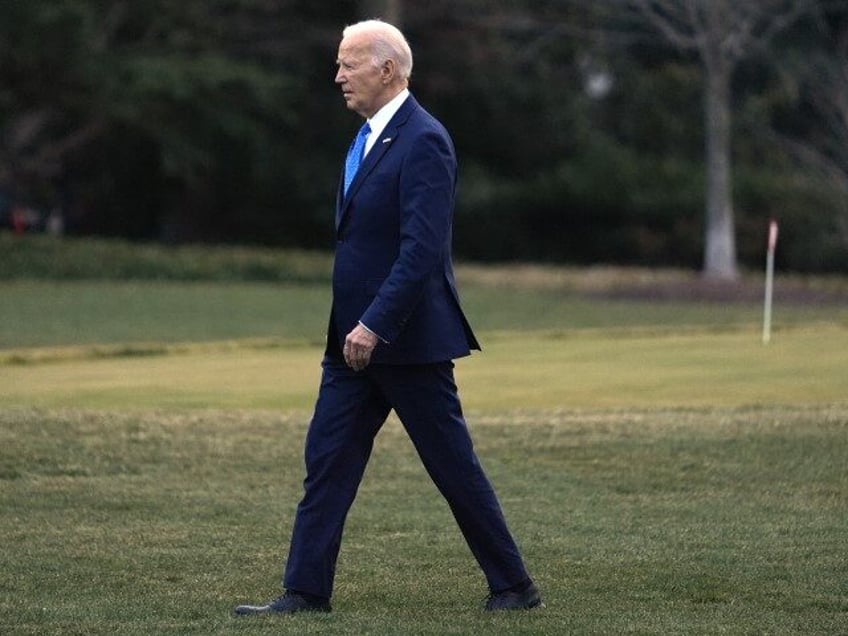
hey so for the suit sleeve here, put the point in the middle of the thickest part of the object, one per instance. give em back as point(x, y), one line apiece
point(427, 187)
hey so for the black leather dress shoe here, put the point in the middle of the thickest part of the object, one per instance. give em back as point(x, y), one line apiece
point(512, 600)
point(288, 603)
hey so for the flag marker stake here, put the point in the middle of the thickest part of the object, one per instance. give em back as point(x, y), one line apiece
point(772, 244)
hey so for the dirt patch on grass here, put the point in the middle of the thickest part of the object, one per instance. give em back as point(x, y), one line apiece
point(655, 284)
point(743, 291)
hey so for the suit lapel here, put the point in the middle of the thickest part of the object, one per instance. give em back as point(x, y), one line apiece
point(378, 150)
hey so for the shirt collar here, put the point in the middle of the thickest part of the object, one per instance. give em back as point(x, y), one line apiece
point(383, 116)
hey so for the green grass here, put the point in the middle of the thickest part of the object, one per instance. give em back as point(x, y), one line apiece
point(39, 313)
point(581, 369)
point(49, 313)
point(37, 256)
point(663, 471)
point(677, 521)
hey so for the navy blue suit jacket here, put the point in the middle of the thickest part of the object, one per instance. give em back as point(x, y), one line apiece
point(392, 268)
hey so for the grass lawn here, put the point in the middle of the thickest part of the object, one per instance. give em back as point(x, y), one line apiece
point(695, 521)
point(40, 313)
point(584, 369)
point(663, 471)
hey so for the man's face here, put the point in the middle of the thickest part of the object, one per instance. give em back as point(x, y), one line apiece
point(363, 85)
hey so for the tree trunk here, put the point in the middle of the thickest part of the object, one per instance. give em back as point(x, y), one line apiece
point(720, 235)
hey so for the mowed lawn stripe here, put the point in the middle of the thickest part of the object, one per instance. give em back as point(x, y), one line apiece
point(517, 370)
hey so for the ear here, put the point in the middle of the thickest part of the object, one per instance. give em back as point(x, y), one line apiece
point(388, 71)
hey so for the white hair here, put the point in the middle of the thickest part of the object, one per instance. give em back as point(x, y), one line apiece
point(387, 43)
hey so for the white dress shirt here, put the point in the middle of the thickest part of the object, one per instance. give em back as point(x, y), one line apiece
point(382, 117)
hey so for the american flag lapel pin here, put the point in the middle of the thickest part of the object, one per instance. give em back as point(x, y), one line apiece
point(386, 140)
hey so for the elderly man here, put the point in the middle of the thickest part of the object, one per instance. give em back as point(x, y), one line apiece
point(395, 328)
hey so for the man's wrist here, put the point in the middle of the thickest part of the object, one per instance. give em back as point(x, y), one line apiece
point(376, 335)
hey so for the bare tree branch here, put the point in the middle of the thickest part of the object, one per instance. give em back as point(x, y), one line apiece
point(670, 19)
point(734, 27)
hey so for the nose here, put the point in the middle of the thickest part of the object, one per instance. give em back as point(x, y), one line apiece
point(340, 76)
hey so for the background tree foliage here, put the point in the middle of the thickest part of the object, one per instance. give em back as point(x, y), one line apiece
point(580, 130)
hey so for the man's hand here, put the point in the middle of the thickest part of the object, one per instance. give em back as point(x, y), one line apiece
point(358, 346)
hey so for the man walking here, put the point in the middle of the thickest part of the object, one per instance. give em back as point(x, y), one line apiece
point(395, 328)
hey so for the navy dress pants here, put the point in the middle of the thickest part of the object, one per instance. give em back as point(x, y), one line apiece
point(350, 410)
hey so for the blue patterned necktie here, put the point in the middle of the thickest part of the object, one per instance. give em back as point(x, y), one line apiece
point(354, 155)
